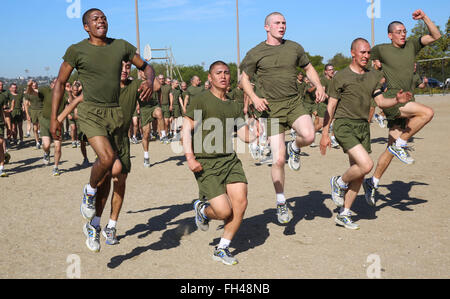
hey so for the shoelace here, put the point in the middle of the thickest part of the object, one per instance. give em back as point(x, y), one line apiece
point(294, 154)
point(282, 208)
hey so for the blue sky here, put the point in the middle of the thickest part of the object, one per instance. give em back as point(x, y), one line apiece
point(36, 33)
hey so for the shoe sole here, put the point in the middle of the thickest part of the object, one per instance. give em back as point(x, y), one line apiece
point(336, 202)
point(339, 222)
point(398, 157)
point(219, 259)
point(199, 225)
point(84, 216)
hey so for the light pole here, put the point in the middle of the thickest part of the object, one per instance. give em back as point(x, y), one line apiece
point(373, 25)
point(238, 50)
point(137, 28)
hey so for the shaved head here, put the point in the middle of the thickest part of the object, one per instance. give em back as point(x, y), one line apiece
point(357, 41)
point(267, 19)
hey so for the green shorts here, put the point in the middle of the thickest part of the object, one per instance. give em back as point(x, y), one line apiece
point(217, 173)
point(321, 109)
point(44, 124)
point(95, 120)
point(35, 115)
point(147, 114)
point(123, 152)
point(165, 111)
point(176, 111)
point(282, 114)
point(351, 132)
point(253, 112)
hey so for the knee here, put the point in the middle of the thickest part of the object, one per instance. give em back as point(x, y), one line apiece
point(280, 161)
point(224, 214)
point(106, 159)
point(240, 205)
point(367, 167)
point(429, 113)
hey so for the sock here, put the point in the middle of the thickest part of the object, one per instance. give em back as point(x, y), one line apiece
point(281, 200)
point(95, 222)
point(375, 181)
point(224, 243)
point(145, 155)
point(163, 133)
point(341, 183)
point(295, 147)
point(111, 223)
point(400, 142)
point(1, 167)
point(90, 190)
point(344, 211)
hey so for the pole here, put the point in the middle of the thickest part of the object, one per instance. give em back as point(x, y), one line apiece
point(137, 28)
point(373, 25)
point(238, 51)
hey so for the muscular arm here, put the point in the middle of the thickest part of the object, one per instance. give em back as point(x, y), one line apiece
point(329, 115)
point(187, 128)
point(434, 35)
point(312, 75)
point(147, 87)
point(258, 103)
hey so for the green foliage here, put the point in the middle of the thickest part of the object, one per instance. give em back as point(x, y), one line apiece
point(339, 61)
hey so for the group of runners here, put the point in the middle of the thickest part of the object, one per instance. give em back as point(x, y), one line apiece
point(108, 109)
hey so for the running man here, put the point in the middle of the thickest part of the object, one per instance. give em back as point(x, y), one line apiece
point(275, 63)
point(36, 100)
point(98, 61)
point(404, 120)
point(220, 177)
point(350, 94)
point(3, 102)
point(176, 102)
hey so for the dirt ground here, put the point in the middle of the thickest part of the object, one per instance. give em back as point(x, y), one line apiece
point(405, 236)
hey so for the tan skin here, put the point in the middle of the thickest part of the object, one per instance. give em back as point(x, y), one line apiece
point(97, 28)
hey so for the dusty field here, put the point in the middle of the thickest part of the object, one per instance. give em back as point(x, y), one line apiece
point(407, 232)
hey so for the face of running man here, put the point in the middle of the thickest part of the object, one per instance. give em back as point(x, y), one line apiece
point(276, 27)
point(398, 35)
point(161, 79)
point(329, 71)
point(13, 88)
point(361, 53)
point(97, 24)
point(183, 86)
point(1, 86)
point(219, 77)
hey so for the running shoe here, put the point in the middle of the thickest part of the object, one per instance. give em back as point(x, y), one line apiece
point(92, 237)
point(223, 255)
point(46, 158)
point(337, 193)
point(294, 158)
point(346, 221)
point(56, 171)
point(7, 157)
point(334, 143)
point(3, 174)
point(110, 235)
point(74, 144)
point(201, 221)
point(283, 213)
point(147, 162)
point(254, 151)
point(401, 153)
point(369, 192)
point(380, 120)
point(88, 205)
point(38, 145)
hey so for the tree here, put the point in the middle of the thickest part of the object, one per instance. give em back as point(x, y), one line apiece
point(339, 61)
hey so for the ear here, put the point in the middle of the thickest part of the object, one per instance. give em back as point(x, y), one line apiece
point(86, 28)
point(390, 36)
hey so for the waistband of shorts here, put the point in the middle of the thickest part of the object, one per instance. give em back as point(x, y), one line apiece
point(279, 100)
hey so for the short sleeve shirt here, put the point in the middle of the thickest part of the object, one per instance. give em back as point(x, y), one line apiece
point(217, 118)
point(276, 68)
point(99, 69)
point(354, 92)
point(127, 101)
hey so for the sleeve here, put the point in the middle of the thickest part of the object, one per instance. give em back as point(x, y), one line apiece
point(417, 42)
point(303, 59)
point(335, 88)
point(248, 65)
point(129, 51)
point(196, 104)
point(375, 53)
point(71, 56)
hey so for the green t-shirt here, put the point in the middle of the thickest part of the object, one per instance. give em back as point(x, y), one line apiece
point(237, 95)
point(165, 91)
point(301, 89)
point(276, 68)
point(354, 92)
point(99, 69)
point(216, 118)
point(191, 91)
point(310, 97)
point(36, 100)
point(398, 65)
point(416, 81)
point(46, 92)
point(127, 101)
point(18, 101)
point(3, 102)
point(176, 93)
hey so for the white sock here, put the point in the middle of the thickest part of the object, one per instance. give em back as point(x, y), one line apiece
point(145, 155)
point(224, 243)
point(90, 190)
point(400, 142)
point(295, 147)
point(344, 211)
point(111, 223)
point(341, 183)
point(1, 167)
point(163, 133)
point(375, 181)
point(281, 199)
point(95, 222)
